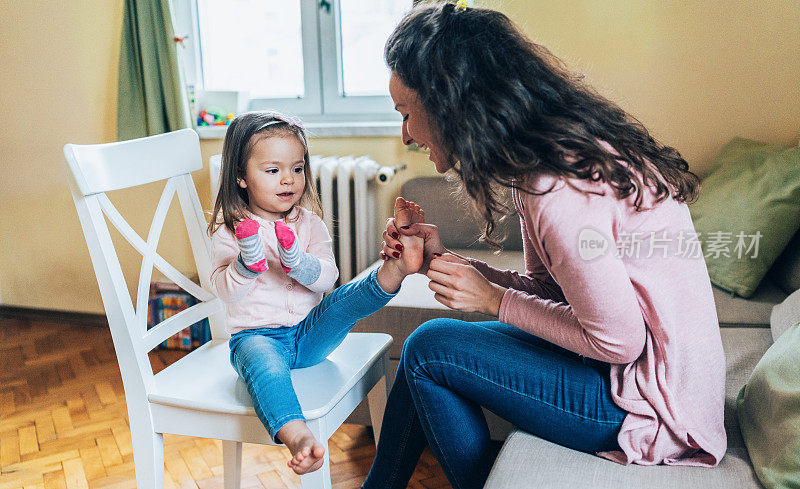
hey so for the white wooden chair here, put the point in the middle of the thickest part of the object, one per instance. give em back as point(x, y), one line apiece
point(201, 394)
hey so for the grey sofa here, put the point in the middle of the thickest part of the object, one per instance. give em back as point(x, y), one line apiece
point(526, 460)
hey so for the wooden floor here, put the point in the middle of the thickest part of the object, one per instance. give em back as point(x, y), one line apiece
point(63, 423)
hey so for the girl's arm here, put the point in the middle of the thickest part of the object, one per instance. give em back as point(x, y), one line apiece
point(321, 247)
point(226, 279)
point(602, 318)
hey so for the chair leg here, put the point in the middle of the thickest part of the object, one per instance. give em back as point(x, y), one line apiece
point(232, 464)
point(377, 398)
point(148, 458)
point(320, 478)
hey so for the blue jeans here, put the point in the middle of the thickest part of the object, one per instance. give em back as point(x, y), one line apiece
point(264, 356)
point(450, 368)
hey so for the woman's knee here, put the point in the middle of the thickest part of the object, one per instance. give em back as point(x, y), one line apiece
point(436, 335)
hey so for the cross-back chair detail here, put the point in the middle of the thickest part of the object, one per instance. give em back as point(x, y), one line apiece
point(199, 395)
point(92, 179)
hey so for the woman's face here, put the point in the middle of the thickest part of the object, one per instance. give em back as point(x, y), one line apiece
point(417, 126)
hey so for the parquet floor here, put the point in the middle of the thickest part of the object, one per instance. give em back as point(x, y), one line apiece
point(63, 423)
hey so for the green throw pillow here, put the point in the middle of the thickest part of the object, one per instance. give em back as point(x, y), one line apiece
point(768, 407)
point(748, 209)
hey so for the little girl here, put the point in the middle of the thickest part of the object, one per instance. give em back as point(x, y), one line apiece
point(272, 260)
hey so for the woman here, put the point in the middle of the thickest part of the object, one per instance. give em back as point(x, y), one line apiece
point(598, 346)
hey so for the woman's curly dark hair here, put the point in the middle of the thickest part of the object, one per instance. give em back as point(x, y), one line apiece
point(505, 107)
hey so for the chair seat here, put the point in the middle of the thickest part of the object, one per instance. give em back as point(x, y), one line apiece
point(204, 380)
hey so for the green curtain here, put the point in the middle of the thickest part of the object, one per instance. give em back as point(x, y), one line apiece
point(151, 95)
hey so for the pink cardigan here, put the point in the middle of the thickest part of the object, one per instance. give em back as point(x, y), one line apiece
point(272, 299)
point(652, 318)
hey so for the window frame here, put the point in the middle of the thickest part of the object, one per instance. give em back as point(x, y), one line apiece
point(324, 108)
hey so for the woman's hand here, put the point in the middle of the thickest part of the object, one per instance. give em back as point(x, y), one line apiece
point(429, 233)
point(459, 285)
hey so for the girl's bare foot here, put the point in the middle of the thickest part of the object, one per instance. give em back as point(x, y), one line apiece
point(405, 214)
point(307, 452)
point(407, 258)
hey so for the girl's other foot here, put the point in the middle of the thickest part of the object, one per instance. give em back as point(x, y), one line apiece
point(307, 452)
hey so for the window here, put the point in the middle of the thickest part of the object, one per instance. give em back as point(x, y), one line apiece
point(321, 60)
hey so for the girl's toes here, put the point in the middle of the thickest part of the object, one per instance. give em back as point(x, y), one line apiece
point(246, 228)
point(284, 234)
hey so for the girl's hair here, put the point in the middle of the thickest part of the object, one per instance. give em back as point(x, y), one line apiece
point(505, 107)
point(242, 134)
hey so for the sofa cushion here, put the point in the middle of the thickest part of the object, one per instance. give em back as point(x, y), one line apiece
point(785, 315)
point(528, 461)
point(733, 311)
point(743, 347)
point(752, 188)
point(768, 408)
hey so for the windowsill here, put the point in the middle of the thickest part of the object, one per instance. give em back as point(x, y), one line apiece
point(324, 129)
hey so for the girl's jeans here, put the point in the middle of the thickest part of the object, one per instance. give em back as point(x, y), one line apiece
point(450, 368)
point(264, 356)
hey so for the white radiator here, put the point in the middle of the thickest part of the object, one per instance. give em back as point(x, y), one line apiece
point(348, 187)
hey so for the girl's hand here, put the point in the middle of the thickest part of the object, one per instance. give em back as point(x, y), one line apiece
point(459, 285)
point(251, 250)
point(429, 233)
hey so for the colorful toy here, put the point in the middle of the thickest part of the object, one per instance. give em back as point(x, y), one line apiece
point(213, 117)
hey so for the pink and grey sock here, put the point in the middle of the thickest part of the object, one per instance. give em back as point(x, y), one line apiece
point(251, 260)
point(301, 266)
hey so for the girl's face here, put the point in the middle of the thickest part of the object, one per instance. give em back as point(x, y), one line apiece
point(274, 175)
point(417, 126)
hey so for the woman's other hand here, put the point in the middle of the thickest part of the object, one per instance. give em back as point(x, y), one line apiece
point(459, 285)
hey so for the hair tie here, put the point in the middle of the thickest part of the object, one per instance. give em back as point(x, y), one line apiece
point(295, 121)
point(461, 5)
point(282, 119)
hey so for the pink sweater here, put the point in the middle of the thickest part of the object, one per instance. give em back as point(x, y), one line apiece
point(653, 318)
point(272, 299)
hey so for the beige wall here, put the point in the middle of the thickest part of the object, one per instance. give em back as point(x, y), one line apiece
point(695, 73)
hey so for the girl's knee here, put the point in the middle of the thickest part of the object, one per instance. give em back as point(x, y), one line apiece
point(256, 351)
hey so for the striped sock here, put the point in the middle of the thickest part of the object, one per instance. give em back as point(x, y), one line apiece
point(251, 260)
point(301, 266)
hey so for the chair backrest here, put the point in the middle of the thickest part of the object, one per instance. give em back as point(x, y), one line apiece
point(100, 168)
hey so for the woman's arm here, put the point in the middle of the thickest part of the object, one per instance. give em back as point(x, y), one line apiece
point(536, 281)
point(602, 319)
point(545, 287)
